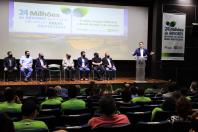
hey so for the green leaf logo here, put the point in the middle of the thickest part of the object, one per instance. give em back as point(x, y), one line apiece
point(171, 24)
point(80, 12)
point(65, 10)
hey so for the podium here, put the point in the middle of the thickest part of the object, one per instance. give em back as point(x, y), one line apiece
point(140, 68)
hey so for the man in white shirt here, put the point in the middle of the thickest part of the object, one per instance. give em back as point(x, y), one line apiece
point(26, 65)
point(68, 67)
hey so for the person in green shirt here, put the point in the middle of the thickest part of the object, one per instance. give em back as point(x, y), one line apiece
point(52, 98)
point(141, 97)
point(12, 102)
point(73, 102)
point(29, 112)
point(167, 105)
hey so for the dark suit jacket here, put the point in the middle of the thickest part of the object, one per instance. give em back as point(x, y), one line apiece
point(137, 52)
point(7, 62)
point(105, 61)
point(38, 63)
point(80, 62)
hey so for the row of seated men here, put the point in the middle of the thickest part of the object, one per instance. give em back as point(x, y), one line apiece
point(107, 106)
point(100, 66)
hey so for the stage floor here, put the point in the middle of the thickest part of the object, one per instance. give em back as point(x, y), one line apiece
point(118, 80)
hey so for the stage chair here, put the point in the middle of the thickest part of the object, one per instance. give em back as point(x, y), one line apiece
point(118, 128)
point(53, 69)
point(163, 126)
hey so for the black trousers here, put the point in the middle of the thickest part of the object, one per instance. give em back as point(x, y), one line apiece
point(11, 74)
point(70, 72)
point(98, 71)
point(43, 73)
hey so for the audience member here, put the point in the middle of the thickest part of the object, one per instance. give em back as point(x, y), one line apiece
point(109, 117)
point(141, 97)
point(73, 102)
point(6, 125)
point(29, 111)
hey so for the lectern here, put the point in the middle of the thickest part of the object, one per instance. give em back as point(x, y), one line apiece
point(140, 68)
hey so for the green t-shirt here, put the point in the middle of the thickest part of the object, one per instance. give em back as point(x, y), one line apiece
point(73, 104)
point(155, 110)
point(57, 98)
point(53, 101)
point(28, 124)
point(10, 107)
point(141, 99)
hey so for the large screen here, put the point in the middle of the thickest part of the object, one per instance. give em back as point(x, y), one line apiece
point(57, 28)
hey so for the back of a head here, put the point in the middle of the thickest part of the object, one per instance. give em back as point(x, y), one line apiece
point(140, 91)
point(51, 92)
point(126, 95)
point(73, 91)
point(29, 108)
point(10, 94)
point(195, 121)
point(6, 125)
point(183, 107)
point(107, 105)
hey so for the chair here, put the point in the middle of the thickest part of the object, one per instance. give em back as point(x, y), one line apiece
point(118, 128)
point(82, 128)
point(50, 110)
point(162, 115)
point(181, 126)
point(14, 116)
point(149, 107)
point(54, 68)
point(38, 130)
point(136, 117)
point(163, 126)
point(75, 111)
point(75, 120)
point(50, 121)
point(129, 109)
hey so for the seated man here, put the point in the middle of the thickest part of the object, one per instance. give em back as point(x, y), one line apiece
point(141, 98)
point(109, 66)
point(109, 117)
point(41, 67)
point(97, 66)
point(83, 66)
point(52, 98)
point(12, 102)
point(10, 66)
point(29, 111)
point(26, 65)
point(73, 102)
point(68, 66)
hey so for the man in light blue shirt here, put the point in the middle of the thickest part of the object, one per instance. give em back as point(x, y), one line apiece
point(26, 65)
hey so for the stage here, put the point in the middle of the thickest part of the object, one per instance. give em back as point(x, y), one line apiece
point(118, 80)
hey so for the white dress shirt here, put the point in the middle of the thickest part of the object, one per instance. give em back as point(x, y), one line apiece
point(67, 63)
point(26, 62)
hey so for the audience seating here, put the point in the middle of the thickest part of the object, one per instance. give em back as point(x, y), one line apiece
point(50, 121)
point(120, 128)
point(181, 126)
point(162, 115)
point(163, 126)
point(130, 109)
point(75, 111)
point(82, 128)
point(136, 117)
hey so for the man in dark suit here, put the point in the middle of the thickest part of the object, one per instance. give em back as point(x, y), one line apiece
point(83, 66)
point(10, 66)
point(141, 51)
point(109, 66)
point(97, 66)
point(41, 67)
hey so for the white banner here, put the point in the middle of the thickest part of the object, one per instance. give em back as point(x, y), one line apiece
point(173, 36)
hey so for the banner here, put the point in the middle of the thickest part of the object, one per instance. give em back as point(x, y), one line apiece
point(173, 36)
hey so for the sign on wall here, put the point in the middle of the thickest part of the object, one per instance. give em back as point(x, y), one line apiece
point(173, 36)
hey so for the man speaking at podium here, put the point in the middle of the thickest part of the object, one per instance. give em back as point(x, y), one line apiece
point(141, 53)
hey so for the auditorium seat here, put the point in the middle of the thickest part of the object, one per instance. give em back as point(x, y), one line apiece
point(50, 110)
point(163, 126)
point(119, 128)
point(124, 110)
point(136, 117)
point(181, 126)
point(162, 115)
point(75, 111)
point(50, 121)
point(82, 128)
point(74, 120)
